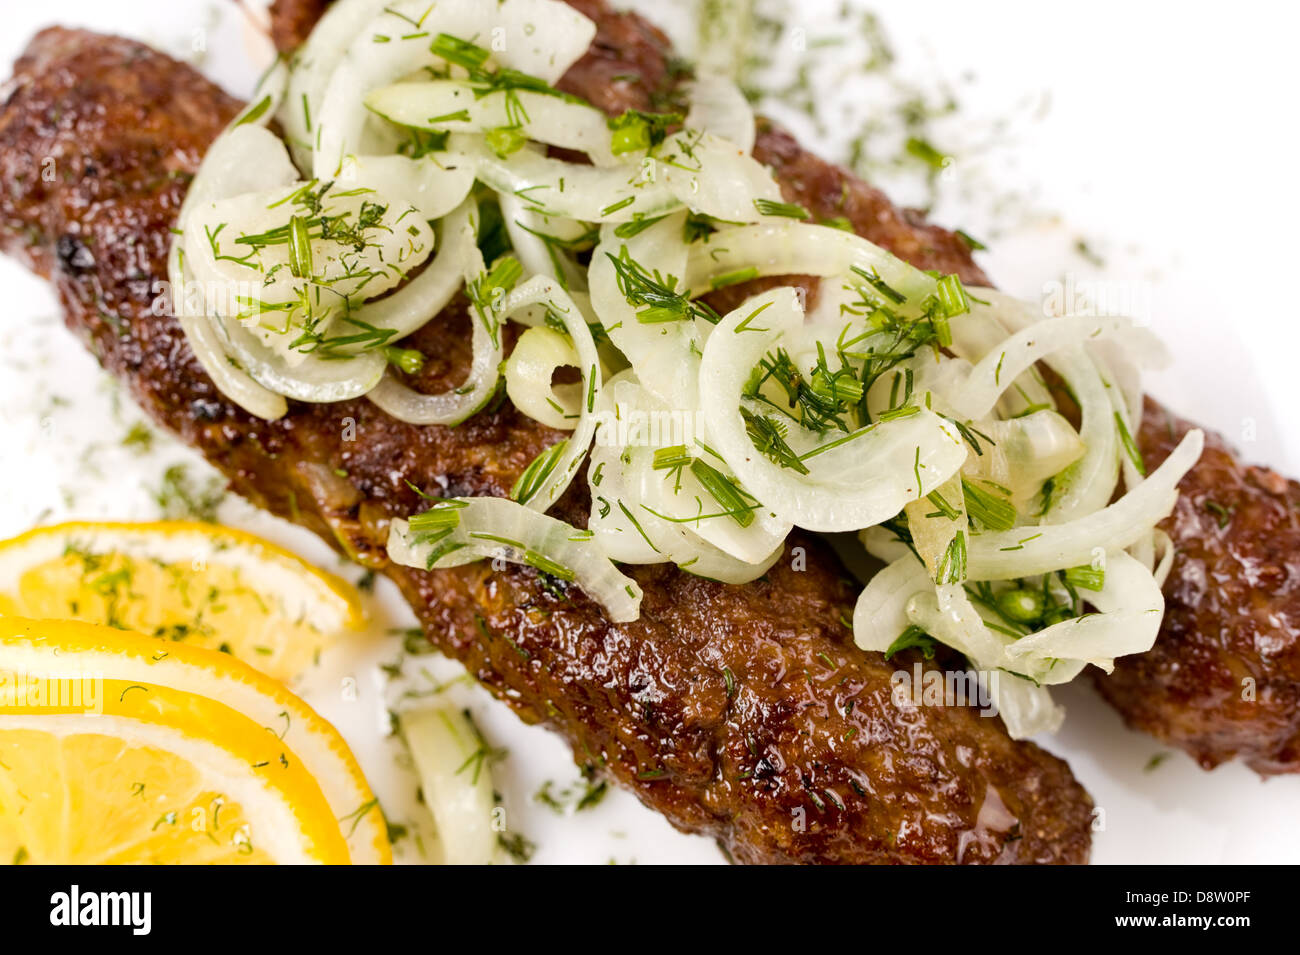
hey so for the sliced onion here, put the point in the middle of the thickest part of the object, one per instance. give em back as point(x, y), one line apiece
point(950, 617)
point(1131, 466)
point(632, 532)
point(996, 371)
point(619, 529)
point(1132, 608)
point(713, 176)
point(420, 299)
point(540, 290)
point(1165, 545)
point(1122, 372)
point(448, 408)
point(719, 107)
point(946, 613)
point(880, 615)
point(299, 116)
point(793, 248)
point(665, 354)
point(433, 184)
point(266, 358)
point(232, 381)
point(862, 482)
point(984, 330)
point(553, 187)
point(709, 175)
point(457, 787)
point(1090, 482)
point(1026, 710)
point(1024, 452)
point(685, 503)
point(401, 240)
point(490, 527)
point(454, 406)
point(458, 107)
point(636, 425)
point(542, 38)
point(243, 157)
point(1130, 458)
point(902, 595)
point(537, 355)
point(529, 232)
point(1028, 551)
point(312, 379)
point(933, 531)
point(697, 556)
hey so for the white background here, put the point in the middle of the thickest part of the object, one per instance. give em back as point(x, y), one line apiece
point(1162, 134)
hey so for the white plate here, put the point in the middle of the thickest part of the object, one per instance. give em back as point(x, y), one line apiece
point(1167, 146)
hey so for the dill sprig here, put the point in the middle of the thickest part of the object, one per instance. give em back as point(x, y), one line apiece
point(788, 210)
point(822, 401)
point(913, 637)
point(656, 295)
point(734, 501)
point(1130, 446)
point(486, 291)
point(952, 567)
point(768, 436)
point(988, 505)
point(538, 472)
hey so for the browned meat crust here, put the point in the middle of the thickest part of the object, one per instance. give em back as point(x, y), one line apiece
point(1232, 598)
point(1223, 681)
point(744, 713)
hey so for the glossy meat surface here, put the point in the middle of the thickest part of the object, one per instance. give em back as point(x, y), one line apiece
point(744, 713)
point(1223, 680)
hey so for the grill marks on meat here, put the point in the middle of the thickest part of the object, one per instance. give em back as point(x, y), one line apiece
point(1223, 680)
point(744, 713)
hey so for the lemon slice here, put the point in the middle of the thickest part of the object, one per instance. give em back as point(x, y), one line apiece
point(115, 748)
point(180, 581)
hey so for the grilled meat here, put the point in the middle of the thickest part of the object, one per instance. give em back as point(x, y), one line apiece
point(1223, 680)
point(744, 713)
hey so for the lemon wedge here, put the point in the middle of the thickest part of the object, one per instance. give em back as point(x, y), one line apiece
point(184, 582)
point(116, 747)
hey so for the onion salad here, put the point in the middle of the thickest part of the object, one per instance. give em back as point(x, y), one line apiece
point(428, 154)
